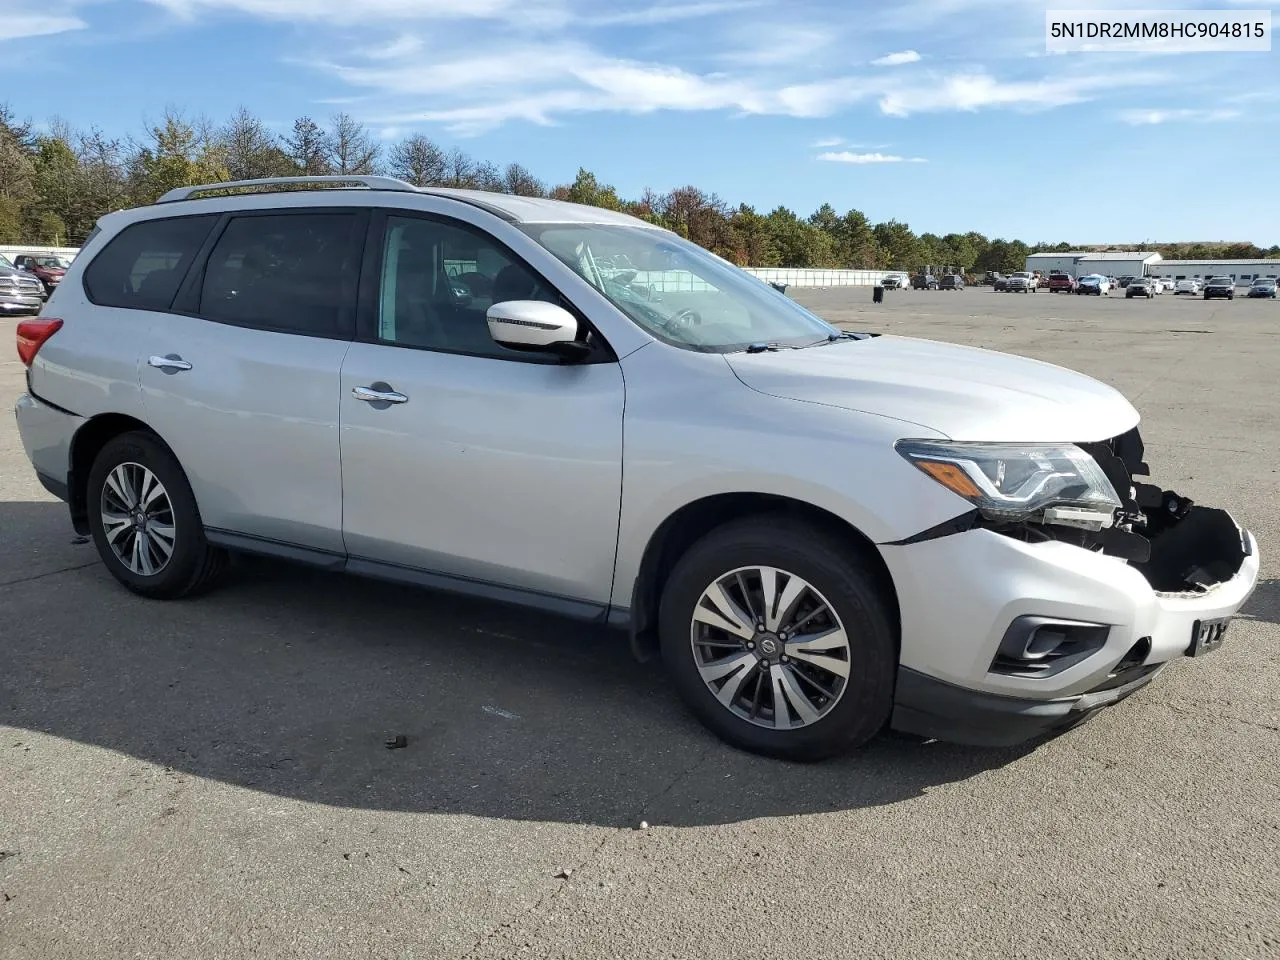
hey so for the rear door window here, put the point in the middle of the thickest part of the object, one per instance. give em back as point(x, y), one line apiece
point(142, 266)
point(288, 272)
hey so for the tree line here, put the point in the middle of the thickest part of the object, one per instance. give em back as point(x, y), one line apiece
point(57, 181)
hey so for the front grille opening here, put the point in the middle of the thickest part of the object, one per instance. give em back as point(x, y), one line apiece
point(1044, 646)
point(1193, 553)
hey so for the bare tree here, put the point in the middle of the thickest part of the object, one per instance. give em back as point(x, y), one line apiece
point(418, 160)
point(307, 148)
point(459, 169)
point(250, 151)
point(516, 179)
point(351, 149)
point(486, 176)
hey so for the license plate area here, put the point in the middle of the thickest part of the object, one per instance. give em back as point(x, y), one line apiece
point(1207, 636)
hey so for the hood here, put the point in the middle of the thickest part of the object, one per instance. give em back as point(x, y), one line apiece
point(962, 392)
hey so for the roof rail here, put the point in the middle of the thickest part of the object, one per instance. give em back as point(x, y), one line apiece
point(245, 186)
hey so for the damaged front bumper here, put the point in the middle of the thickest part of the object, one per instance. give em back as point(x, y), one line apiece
point(1008, 633)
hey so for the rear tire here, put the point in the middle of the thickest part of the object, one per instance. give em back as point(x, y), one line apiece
point(741, 705)
point(145, 522)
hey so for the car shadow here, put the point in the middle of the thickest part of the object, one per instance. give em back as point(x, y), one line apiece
point(1264, 605)
point(298, 683)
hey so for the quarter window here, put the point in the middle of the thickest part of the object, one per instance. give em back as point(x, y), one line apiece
point(293, 273)
point(439, 280)
point(142, 266)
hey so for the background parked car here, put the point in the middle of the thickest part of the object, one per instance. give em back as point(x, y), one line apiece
point(1139, 287)
point(952, 281)
point(924, 281)
point(1021, 282)
point(1159, 284)
point(1263, 288)
point(1188, 285)
point(46, 267)
point(1000, 284)
point(20, 292)
point(895, 281)
point(1095, 285)
point(1062, 283)
point(1124, 282)
point(1220, 288)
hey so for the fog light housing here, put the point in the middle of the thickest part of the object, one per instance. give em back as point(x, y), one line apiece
point(1035, 646)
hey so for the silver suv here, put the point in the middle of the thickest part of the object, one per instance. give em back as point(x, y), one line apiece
point(556, 405)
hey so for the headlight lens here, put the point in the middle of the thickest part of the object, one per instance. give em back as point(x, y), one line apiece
point(1017, 481)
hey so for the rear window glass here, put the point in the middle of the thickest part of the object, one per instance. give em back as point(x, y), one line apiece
point(288, 272)
point(142, 266)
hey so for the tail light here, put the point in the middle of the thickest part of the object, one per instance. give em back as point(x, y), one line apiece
point(32, 335)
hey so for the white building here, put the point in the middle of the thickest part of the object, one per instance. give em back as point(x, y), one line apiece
point(1235, 269)
point(1110, 263)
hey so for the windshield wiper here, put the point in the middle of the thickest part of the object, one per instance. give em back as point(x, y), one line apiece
point(763, 347)
point(833, 338)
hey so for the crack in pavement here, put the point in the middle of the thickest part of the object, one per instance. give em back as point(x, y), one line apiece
point(48, 573)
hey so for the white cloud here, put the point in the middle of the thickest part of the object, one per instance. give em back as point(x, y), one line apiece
point(365, 12)
point(1146, 118)
point(844, 156)
point(968, 92)
point(668, 13)
point(896, 59)
point(772, 44)
point(827, 142)
point(14, 25)
point(403, 46)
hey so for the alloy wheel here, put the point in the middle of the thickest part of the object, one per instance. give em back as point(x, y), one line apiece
point(137, 519)
point(770, 647)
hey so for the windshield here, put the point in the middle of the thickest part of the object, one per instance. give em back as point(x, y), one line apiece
point(53, 263)
point(6, 262)
point(679, 292)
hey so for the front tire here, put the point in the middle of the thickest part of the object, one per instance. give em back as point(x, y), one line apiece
point(780, 638)
point(145, 522)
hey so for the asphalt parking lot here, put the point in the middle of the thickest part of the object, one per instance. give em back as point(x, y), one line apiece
point(210, 779)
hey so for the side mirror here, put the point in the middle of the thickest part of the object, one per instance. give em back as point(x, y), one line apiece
point(535, 325)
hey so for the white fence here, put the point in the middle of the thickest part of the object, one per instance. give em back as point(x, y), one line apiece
point(806, 277)
point(665, 282)
point(12, 251)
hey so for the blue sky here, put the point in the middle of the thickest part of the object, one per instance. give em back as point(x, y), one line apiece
point(945, 114)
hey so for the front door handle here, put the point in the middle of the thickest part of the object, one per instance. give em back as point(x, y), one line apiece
point(378, 393)
point(170, 364)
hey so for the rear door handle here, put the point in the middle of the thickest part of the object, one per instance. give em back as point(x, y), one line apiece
point(170, 364)
point(378, 393)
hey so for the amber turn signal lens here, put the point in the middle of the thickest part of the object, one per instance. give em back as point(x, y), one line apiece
point(951, 477)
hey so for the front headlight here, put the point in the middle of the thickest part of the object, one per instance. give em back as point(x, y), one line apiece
point(1051, 482)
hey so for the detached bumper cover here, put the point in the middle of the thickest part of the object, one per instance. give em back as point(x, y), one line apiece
point(932, 708)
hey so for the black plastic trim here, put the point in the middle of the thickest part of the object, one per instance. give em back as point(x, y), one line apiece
point(398, 573)
point(564, 606)
point(928, 707)
point(961, 524)
point(265, 546)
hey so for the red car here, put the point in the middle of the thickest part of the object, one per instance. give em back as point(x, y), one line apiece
point(1062, 283)
point(48, 268)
